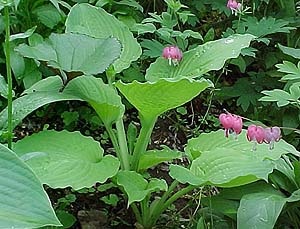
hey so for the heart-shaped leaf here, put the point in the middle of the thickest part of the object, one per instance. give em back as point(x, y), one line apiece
point(153, 99)
point(209, 56)
point(136, 187)
point(74, 52)
point(104, 99)
point(216, 139)
point(96, 22)
point(71, 159)
point(24, 203)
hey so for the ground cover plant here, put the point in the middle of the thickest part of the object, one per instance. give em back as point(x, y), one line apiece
point(97, 78)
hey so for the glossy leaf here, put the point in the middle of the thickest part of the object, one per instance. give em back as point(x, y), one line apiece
point(259, 209)
point(74, 52)
point(104, 99)
point(155, 157)
point(96, 22)
point(24, 203)
point(153, 99)
point(72, 159)
point(136, 187)
point(209, 56)
point(216, 139)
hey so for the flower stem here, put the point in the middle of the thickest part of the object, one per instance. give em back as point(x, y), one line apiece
point(9, 78)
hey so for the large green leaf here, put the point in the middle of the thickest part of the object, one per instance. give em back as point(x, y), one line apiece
point(96, 22)
point(67, 159)
point(104, 99)
point(74, 52)
point(136, 187)
point(213, 140)
point(259, 210)
point(209, 56)
point(26, 104)
point(24, 203)
point(153, 99)
point(224, 167)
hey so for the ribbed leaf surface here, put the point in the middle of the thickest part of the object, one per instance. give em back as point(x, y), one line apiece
point(68, 159)
point(96, 22)
point(23, 201)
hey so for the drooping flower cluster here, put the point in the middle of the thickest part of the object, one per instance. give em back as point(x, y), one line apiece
point(233, 125)
point(173, 54)
point(234, 6)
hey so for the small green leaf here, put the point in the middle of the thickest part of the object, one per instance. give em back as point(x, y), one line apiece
point(48, 15)
point(26, 34)
point(154, 157)
point(282, 98)
point(209, 56)
point(96, 22)
point(72, 159)
point(24, 203)
point(290, 51)
point(136, 187)
point(259, 209)
point(184, 175)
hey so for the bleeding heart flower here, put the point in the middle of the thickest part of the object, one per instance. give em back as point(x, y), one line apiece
point(272, 135)
point(256, 133)
point(234, 6)
point(173, 54)
point(231, 123)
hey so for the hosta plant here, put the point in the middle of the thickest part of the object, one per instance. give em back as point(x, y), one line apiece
point(97, 42)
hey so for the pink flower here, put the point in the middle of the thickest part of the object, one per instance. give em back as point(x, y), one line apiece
point(172, 53)
point(272, 135)
point(234, 5)
point(231, 123)
point(256, 134)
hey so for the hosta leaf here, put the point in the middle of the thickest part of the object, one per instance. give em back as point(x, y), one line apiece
point(227, 167)
point(213, 140)
point(24, 203)
point(104, 99)
point(295, 196)
point(154, 157)
point(259, 209)
point(26, 104)
point(74, 52)
point(153, 99)
point(96, 22)
point(136, 187)
point(184, 175)
point(209, 56)
point(72, 159)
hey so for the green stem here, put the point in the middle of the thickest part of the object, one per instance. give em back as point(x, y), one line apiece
point(115, 143)
point(161, 208)
point(142, 141)
point(136, 212)
point(9, 78)
point(123, 144)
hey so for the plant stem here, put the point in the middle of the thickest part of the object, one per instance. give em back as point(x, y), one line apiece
point(123, 144)
point(143, 140)
point(136, 212)
point(9, 78)
point(115, 143)
point(162, 207)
